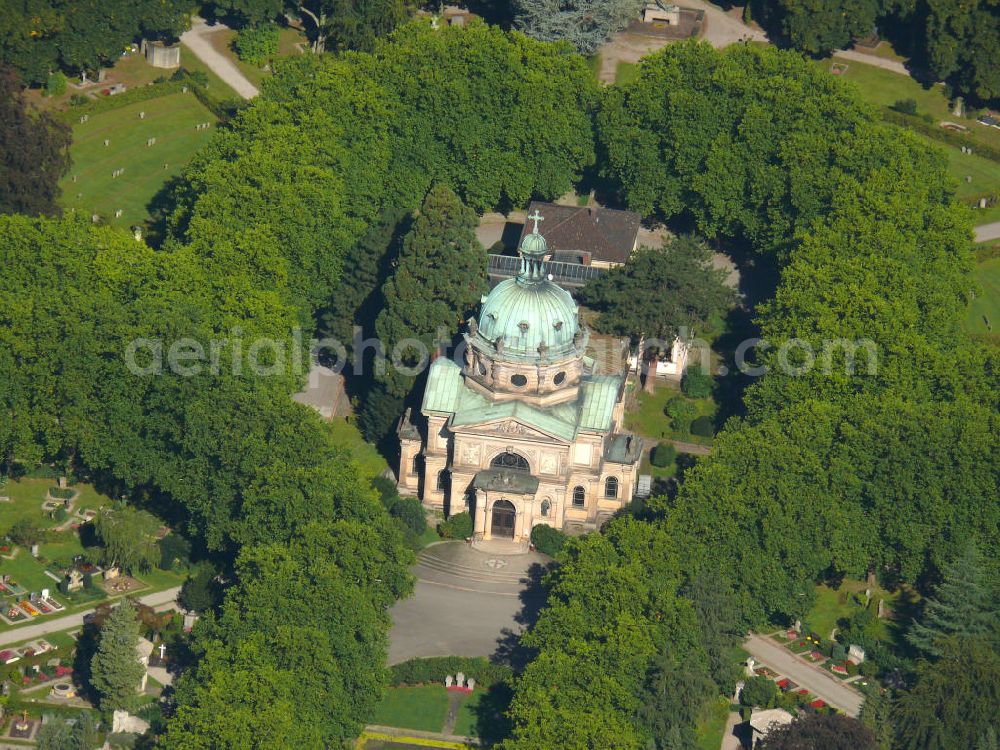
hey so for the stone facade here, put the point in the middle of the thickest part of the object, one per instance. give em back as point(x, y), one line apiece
point(522, 437)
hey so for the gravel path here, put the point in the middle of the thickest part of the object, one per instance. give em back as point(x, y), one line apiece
point(196, 40)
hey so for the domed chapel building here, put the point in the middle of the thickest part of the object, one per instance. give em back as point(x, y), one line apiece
point(528, 432)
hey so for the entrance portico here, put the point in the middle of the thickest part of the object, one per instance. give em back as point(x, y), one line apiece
point(503, 504)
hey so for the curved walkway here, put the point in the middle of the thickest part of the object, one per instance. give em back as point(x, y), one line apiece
point(467, 602)
point(196, 40)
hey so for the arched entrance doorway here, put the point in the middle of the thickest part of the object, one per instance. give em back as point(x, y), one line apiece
point(503, 519)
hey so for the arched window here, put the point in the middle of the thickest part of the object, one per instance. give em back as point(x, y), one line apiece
point(546, 505)
point(442, 480)
point(415, 468)
point(611, 487)
point(510, 460)
point(579, 496)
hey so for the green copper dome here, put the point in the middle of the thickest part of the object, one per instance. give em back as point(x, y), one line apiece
point(534, 320)
point(530, 316)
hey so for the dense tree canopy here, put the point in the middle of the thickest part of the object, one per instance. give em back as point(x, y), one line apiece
point(496, 117)
point(849, 460)
point(40, 36)
point(34, 153)
point(116, 672)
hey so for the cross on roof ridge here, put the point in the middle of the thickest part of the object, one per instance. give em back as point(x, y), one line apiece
point(536, 218)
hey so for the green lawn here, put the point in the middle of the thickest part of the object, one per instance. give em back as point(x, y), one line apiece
point(424, 708)
point(833, 604)
point(712, 724)
point(169, 119)
point(346, 435)
point(649, 420)
point(986, 305)
point(626, 72)
point(467, 722)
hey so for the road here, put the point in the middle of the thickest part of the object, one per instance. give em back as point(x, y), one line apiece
point(196, 40)
point(988, 232)
point(159, 600)
point(817, 681)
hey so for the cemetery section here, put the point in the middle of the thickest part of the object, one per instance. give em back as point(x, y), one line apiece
point(47, 569)
point(123, 157)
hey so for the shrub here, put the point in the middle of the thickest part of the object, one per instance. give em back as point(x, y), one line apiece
point(663, 455)
point(76, 100)
point(88, 581)
point(201, 591)
point(547, 540)
point(868, 668)
point(703, 427)
point(436, 668)
point(26, 532)
point(906, 106)
point(837, 652)
point(62, 493)
point(459, 526)
point(681, 412)
point(255, 44)
point(56, 85)
point(410, 511)
point(759, 692)
point(696, 383)
point(175, 551)
point(61, 514)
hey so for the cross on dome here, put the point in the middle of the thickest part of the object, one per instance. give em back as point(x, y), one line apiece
point(536, 218)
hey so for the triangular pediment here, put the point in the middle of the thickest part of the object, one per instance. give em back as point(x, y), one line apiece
point(509, 426)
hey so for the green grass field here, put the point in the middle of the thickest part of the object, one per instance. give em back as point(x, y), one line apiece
point(986, 306)
point(626, 71)
point(649, 420)
point(712, 724)
point(169, 119)
point(422, 708)
point(370, 461)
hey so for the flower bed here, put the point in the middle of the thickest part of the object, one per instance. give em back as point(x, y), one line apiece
point(28, 607)
point(815, 656)
point(13, 614)
point(800, 646)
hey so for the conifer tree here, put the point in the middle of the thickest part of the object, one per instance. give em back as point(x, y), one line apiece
point(960, 606)
point(115, 669)
point(439, 278)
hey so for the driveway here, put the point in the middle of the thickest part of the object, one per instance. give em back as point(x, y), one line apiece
point(160, 600)
point(817, 681)
point(196, 40)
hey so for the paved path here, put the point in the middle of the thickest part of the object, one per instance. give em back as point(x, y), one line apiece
point(878, 62)
point(467, 602)
point(730, 740)
point(196, 40)
point(159, 600)
point(988, 232)
point(817, 681)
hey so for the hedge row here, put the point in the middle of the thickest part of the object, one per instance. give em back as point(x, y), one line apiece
point(140, 94)
point(436, 668)
point(940, 134)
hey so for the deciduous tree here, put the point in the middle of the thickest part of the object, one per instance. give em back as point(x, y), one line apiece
point(34, 153)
